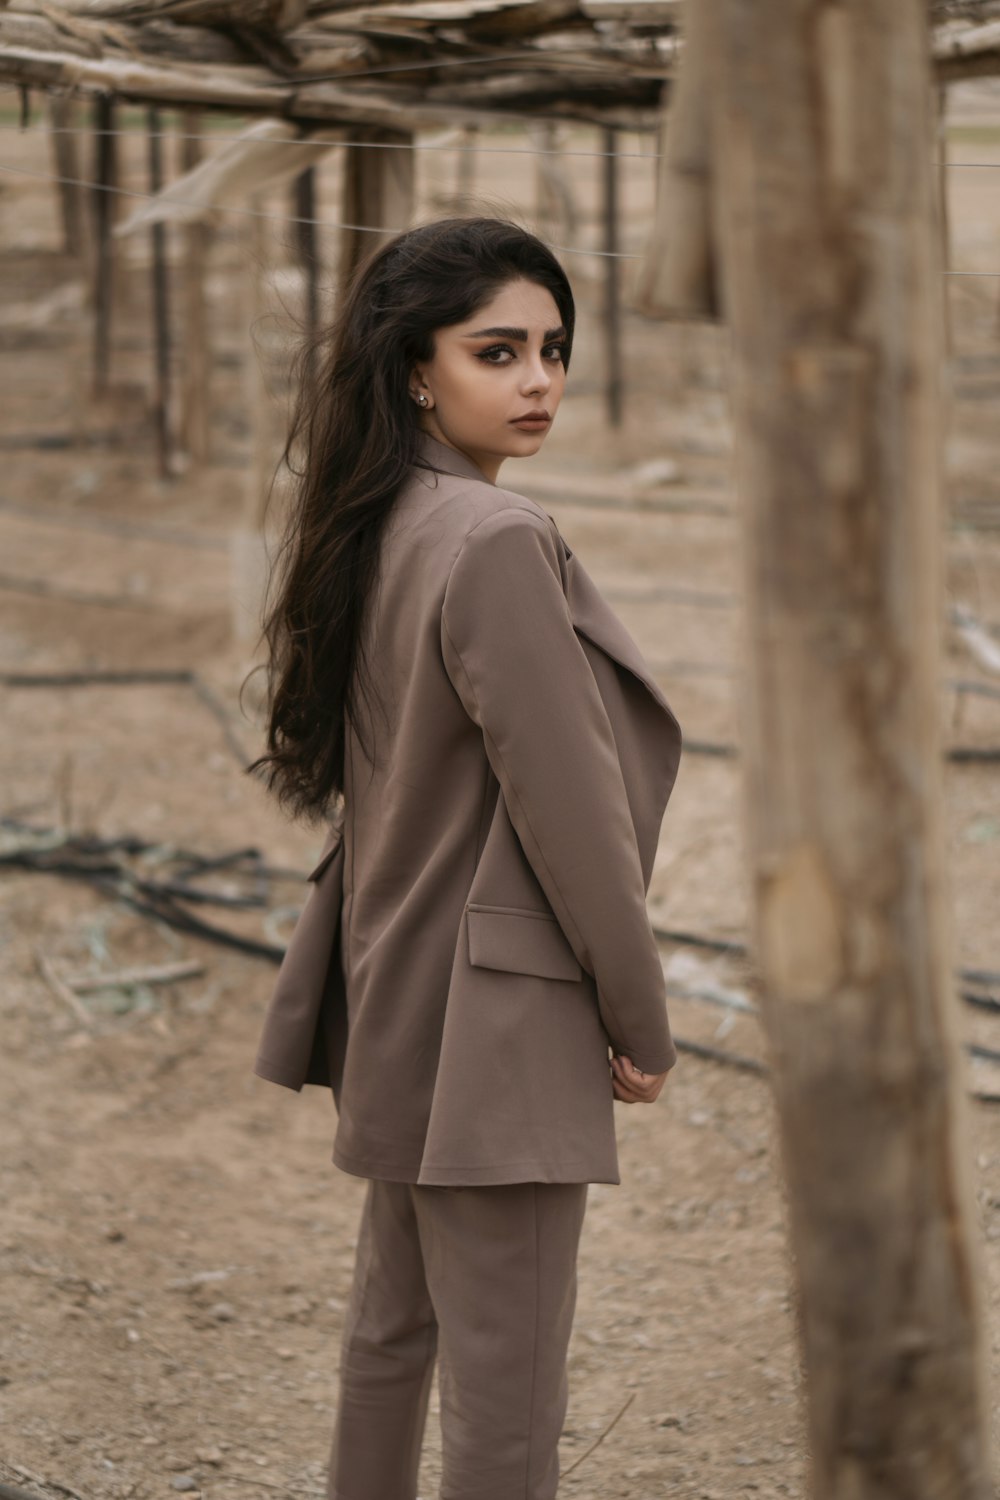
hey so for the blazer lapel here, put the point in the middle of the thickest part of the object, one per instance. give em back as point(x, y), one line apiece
point(595, 619)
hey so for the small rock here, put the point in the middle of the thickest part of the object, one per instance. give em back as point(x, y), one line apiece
point(200, 1278)
point(222, 1312)
point(183, 1482)
point(297, 1308)
point(654, 472)
point(671, 1419)
point(208, 1455)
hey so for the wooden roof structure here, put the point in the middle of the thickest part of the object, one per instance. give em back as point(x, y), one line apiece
point(389, 63)
point(394, 63)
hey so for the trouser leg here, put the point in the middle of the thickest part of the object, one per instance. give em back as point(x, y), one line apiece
point(500, 1263)
point(387, 1356)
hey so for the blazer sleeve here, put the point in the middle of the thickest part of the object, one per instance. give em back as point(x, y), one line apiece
point(515, 660)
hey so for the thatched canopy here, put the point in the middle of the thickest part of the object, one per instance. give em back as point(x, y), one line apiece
point(394, 62)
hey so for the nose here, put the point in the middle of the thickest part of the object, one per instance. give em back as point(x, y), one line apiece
point(536, 376)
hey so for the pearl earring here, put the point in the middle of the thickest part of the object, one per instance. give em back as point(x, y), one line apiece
point(421, 400)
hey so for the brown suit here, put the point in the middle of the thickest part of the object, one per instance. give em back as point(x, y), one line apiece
point(477, 932)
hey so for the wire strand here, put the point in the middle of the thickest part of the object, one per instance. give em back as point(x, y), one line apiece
point(220, 138)
point(254, 213)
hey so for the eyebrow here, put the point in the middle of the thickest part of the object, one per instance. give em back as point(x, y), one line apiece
point(517, 335)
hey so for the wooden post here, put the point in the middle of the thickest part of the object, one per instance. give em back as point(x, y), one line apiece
point(307, 246)
point(612, 294)
point(822, 143)
point(555, 209)
point(195, 420)
point(66, 160)
point(941, 93)
point(249, 541)
point(105, 180)
point(160, 298)
point(378, 192)
point(677, 274)
point(465, 177)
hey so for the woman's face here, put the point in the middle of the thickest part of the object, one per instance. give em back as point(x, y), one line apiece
point(494, 384)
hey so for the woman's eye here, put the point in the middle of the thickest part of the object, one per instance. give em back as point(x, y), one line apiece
point(489, 356)
point(502, 354)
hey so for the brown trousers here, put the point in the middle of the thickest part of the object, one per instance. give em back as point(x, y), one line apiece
point(484, 1279)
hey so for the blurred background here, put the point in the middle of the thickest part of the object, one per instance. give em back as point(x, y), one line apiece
point(176, 1247)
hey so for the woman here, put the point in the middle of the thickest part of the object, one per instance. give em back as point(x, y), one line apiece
point(449, 690)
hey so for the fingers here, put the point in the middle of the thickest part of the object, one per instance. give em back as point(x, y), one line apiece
point(625, 1095)
point(631, 1085)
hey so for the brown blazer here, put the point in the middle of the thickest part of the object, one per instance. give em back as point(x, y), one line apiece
point(476, 934)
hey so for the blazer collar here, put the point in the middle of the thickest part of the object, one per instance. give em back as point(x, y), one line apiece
point(432, 454)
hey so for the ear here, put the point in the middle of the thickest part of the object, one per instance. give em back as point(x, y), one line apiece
point(418, 387)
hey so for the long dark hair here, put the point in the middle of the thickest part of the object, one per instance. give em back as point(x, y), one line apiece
point(354, 436)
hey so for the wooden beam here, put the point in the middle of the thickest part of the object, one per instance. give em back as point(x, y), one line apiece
point(160, 299)
point(612, 280)
point(102, 197)
point(677, 276)
point(249, 552)
point(378, 193)
point(822, 127)
point(465, 174)
point(555, 210)
point(66, 161)
point(307, 249)
point(196, 362)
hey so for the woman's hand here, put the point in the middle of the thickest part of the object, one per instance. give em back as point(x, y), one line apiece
point(632, 1086)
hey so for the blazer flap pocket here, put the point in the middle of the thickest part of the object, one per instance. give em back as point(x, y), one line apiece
point(522, 942)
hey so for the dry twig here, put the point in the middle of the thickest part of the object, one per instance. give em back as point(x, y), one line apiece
point(62, 990)
point(599, 1440)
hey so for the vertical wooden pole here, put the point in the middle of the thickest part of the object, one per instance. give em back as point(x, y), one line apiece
point(943, 214)
point(378, 192)
point(465, 177)
point(105, 180)
point(195, 395)
point(248, 542)
point(612, 282)
point(677, 273)
point(307, 246)
point(543, 139)
point(160, 297)
point(555, 209)
point(66, 160)
point(823, 136)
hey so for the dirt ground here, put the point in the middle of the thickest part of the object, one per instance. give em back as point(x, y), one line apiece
point(176, 1245)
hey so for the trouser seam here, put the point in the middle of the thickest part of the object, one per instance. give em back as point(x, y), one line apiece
point(534, 1347)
